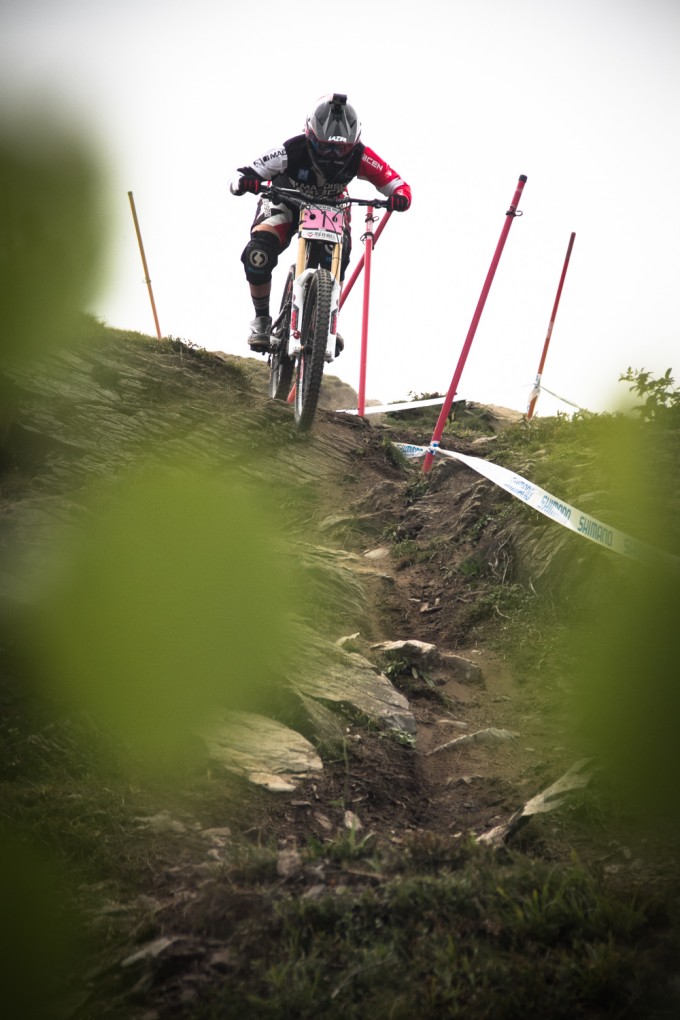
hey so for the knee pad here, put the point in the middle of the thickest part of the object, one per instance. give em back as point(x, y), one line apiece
point(260, 256)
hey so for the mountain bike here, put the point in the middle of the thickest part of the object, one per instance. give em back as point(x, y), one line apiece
point(308, 317)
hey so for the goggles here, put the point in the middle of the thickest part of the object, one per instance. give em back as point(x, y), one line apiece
point(336, 150)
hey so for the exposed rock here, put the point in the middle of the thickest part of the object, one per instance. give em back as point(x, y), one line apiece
point(487, 736)
point(427, 656)
point(331, 675)
point(219, 836)
point(381, 553)
point(266, 752)
point(288, 863)
point(149, 951)
point(578, 776)
point(465, 670)
point(348, 639)
point(162, 822)
point(352, 821)
point(415, 653)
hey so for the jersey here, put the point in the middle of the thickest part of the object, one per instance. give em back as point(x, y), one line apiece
point(290, 166)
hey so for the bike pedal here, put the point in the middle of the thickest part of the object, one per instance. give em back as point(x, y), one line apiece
point(328, 357)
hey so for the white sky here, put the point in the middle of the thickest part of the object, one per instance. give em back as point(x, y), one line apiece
point(579, 95)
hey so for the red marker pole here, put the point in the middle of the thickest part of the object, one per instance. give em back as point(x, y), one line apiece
point(360, 264)
point(537, 385)
point(147, 280)
point(453, 388)
point(368, 252)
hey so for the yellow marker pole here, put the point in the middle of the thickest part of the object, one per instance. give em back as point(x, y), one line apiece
point(146, 268)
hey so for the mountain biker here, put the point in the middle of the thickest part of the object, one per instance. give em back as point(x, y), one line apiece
point(319, 163)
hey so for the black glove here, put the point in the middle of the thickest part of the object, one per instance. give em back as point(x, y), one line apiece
point(251, 184)
point(398, 201)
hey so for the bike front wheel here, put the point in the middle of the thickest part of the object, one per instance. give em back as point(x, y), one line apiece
point(316, 320)
point(280, 362)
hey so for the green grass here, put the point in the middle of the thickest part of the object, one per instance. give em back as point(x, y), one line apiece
point(478, 935)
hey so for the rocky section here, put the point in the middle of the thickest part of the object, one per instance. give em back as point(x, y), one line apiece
point(265, 752)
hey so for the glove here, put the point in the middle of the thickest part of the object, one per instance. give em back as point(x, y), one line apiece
point(252, 184)
point(399, 200)
point(246, 184)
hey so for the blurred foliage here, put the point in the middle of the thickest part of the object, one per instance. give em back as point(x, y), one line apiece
point(158, 606)
point(39, 940)
point(614, 466)
point(52, 235)
point(52, 245)
point(601, 625)
point(164, 605)
point(627, 693)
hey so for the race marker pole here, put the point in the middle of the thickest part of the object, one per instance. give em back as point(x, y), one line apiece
point(360, 264)
point(368, 253)
point(453, 388)
point(146, 268)
point(537, 385)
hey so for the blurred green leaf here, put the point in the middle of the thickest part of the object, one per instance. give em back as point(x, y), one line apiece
point(168, 605)
point(52, 235)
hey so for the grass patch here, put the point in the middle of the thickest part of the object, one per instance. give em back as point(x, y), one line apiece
point(481, 936)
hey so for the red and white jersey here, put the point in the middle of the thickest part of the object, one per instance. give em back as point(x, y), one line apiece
point(290, 165)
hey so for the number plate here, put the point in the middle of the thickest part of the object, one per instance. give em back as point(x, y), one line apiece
point(323, 223)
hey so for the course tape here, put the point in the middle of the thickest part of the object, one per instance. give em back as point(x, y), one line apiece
point(562, 513)
point(408, 405)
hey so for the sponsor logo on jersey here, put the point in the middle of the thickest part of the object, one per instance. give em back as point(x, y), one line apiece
point(326, 190)
point(372, 162)
point(303, 174)
point(276, 154)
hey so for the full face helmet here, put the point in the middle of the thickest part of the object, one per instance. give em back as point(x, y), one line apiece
point(333, 131)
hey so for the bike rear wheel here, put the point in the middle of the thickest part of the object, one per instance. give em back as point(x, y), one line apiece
point(280, 363)
point(316, 320)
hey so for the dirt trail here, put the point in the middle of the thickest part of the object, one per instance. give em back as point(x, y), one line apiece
point(394, 789)
point(207, 863)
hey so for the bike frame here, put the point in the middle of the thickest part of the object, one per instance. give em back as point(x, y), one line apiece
point(328, 230)
point(303, 338)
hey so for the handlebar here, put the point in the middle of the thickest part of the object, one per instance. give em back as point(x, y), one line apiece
point(293, 196)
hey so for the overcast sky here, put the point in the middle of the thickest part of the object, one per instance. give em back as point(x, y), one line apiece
point(460, 98)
